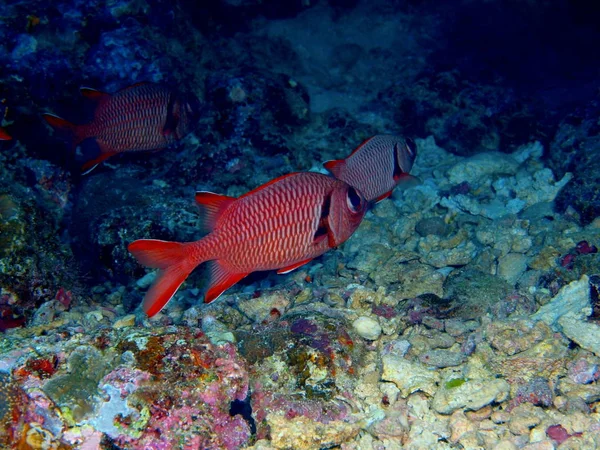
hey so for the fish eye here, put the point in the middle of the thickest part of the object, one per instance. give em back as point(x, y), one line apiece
point(353, 200)
point(411, 146)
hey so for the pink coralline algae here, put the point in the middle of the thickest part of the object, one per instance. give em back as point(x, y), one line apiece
point(385, 311)
point(178, 396)
point(567, 261)
point(559, 434)
point(536, 392)
point(64, 297)
point(583, 372)
point(584, 248)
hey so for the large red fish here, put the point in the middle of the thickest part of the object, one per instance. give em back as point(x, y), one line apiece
point(376, 166)
point(282, 224)
point(144, 116)
point(4, 136)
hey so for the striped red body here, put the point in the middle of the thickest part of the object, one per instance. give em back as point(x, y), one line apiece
point(145, 116)
point(376, 166)
point(4, 136)
point(280, 225)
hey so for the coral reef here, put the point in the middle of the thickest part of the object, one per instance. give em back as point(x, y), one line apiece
point(463, 313)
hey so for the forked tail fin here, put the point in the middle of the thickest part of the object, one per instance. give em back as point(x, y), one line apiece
point(174, 263)
point(4, 136)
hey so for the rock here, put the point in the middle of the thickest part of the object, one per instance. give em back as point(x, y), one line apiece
point(455, 250)
point(460, 425)
point(423, 340)
point(146, 280)
point(470, 395)
point(546, 444)
point(417, 279)
point(260, 309)
point(515, 336)
point(455, 327)
point(523, 418)
point(127, 321)
point(367, 328)
point(573, 300)
point(482, 165)
point(512, 266)
point(409, 376)
point(302, 433)
point(585, 334)
point(431, 225)
point(473, 293)
point(442, 358)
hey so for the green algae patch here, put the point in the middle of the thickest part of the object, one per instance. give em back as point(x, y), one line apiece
point(454, 383)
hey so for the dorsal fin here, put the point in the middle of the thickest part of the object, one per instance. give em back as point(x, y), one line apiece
point(335, 166)
point(134, 85)
point(273, 181)
point(213, 206)
point(93, 94)
point(363, 143)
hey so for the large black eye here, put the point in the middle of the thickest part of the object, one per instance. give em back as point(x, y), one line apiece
point(354, 201)
point(411, 146)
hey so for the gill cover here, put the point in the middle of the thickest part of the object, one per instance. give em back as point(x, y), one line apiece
point(348, 207)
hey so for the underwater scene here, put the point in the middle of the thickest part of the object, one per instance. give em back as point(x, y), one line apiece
point(301, 224)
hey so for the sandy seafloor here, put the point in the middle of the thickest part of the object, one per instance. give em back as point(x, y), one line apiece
point(462, 314)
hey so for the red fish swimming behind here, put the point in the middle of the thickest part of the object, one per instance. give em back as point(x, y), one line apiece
point(282, 224)
point(4, 136)
point(144, 116)
point(376, 166)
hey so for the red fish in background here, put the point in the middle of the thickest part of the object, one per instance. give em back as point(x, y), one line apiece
point(144, 116)
point(4, 136)
point(282, 224)
point(376, 166)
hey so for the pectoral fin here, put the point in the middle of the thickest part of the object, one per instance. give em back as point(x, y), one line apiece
point(294, 266)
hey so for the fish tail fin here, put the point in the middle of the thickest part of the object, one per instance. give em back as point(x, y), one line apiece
point(4, 136)
point(69, 128)
point(174, 262)
point(335, 166)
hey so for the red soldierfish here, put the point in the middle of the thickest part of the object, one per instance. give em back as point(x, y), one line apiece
point(4, 136)
point(144, 116)
point(376, 166)
point(282, 224)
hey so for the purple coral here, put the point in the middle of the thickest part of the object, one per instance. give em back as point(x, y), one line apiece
point(303, 326)
point(536, 392)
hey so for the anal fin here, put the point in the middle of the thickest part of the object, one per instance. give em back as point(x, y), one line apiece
point(221, 280)
point(93, 152)
point(383, 196)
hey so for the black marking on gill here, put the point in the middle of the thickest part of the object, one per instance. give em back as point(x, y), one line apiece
point(244, 409)
point(325, 207)
point(172, 119)
point(397, 169)
point(323, 228)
